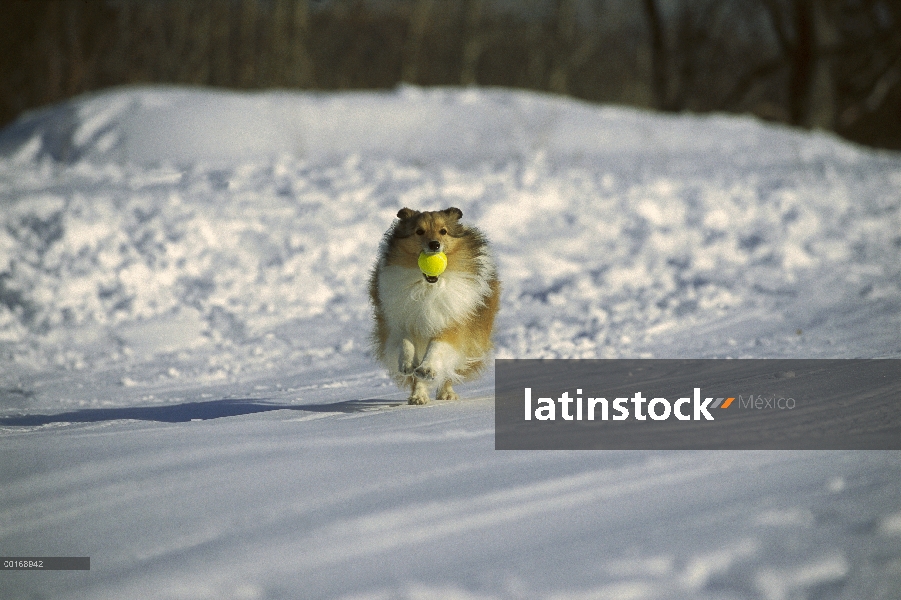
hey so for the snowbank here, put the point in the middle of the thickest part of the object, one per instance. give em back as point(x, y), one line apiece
point(217, 230)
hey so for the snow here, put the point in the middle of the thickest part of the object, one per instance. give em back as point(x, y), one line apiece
point(186, 394)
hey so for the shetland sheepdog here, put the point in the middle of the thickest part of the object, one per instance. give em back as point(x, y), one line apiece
point(431, 332)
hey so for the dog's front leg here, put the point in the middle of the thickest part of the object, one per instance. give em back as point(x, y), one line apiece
point(440, 362)
point(419, 392)
point(406, 357)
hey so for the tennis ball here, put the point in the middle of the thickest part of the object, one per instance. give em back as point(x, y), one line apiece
point(432, 264)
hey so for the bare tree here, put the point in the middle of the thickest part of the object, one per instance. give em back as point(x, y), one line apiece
point(289, 46)
point(659, 67)
point(565, 36)
point(868, 65)
point(794, 29)
point(413, 46)
point(473, 41)
point(685, 53)
point(247, 43)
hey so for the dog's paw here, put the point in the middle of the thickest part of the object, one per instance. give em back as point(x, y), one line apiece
point(424, 372)
point(406, 368)
point(447, 394)
point(418, 398)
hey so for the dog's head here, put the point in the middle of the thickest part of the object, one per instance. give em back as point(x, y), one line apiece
point(430, 231)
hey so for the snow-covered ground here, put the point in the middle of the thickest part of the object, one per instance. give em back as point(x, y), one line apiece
point(186, 394)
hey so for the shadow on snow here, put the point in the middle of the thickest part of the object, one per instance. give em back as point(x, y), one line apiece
point(193, 411)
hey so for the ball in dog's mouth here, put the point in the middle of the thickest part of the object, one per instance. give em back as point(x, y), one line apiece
point(432, 264)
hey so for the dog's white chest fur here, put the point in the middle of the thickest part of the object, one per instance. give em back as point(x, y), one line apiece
point(423, 309)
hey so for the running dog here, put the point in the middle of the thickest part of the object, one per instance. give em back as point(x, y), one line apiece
point(433, 331)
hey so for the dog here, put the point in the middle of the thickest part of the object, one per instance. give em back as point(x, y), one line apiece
point(433, 331)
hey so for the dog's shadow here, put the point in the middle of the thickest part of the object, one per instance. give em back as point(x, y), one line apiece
point(195, 411)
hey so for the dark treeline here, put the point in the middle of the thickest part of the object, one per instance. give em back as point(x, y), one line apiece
point(834, 64)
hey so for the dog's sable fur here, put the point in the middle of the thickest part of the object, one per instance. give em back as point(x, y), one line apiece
point(433, 331)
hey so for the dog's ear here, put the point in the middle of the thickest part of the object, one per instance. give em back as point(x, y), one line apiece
point(453, 212)
point(406, 213)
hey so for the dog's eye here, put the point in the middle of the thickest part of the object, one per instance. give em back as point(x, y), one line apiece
point(420, 231)
point(443, 232)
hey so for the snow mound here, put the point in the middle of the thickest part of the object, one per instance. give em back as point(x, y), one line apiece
point(216, 230)
point(151, 126)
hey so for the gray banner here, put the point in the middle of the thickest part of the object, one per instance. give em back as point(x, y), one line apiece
point(703, 404)
point(45, 563)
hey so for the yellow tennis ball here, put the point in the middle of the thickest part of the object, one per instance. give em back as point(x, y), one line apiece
point(432, 264)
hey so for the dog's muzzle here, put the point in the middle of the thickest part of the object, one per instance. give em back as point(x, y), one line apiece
point(430, 278)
